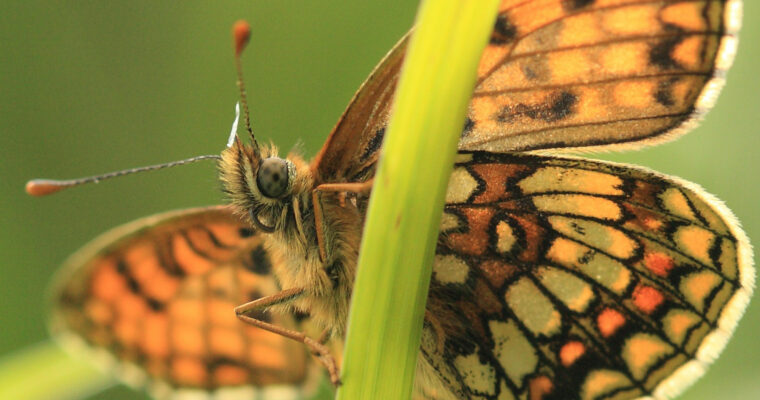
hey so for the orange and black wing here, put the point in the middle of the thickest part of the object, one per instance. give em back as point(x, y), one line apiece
point(564, 278)
point(156, 297)
point(590, 73)
point(563, 74)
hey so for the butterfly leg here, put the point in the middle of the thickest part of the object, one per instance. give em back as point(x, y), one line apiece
point(352, 187)
point(325, 336)
point(317, 347)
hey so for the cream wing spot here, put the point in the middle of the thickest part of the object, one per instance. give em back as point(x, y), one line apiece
point(602, 381)
point(450, 269)
point(609, 272)
point(461, 186)
point(642, 351)
point(603, 237)
point(479, 377)
point(449, 221)
point(675, 202)
point(698, 285)
point(574, 292)
point(505, 237)
point(582, 205)
point(281, 392)
point(696, 242)
point(677, 323)
point(514, 351)
point(559, 179)
point(533, 308)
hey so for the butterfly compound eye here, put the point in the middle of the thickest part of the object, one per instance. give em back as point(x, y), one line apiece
point(272, 178)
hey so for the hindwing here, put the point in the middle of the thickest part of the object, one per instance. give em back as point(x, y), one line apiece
point(155, 298)
point(565, 278)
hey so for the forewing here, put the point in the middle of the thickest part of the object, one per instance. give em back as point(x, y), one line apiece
point(155, 298)
point(562, 278)
point(561, 74)
point(590, 73)
point(351, 150)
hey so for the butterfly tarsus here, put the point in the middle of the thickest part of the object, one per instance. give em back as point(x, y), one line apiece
point(325, 336)
point(322, 353)
point(346, 187)
point(317, 348)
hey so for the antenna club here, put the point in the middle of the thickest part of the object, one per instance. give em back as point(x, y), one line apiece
point(42, 187)
point(241, 32)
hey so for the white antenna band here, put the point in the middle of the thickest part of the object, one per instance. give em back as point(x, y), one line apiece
point(233, 132)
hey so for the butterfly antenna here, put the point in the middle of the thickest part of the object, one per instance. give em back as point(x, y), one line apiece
point(43, 187)
point(241, 33)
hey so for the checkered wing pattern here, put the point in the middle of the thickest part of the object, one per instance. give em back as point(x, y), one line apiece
point(564, 278)
point(155, 299)
point(565, 74)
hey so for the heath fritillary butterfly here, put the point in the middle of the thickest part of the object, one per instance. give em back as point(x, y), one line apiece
point(554, 277)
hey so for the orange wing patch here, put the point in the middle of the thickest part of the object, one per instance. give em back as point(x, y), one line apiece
point(159, 294)
point(563, 74)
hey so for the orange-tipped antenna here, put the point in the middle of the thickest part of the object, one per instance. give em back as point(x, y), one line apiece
point(241, 32)
point(43, 187)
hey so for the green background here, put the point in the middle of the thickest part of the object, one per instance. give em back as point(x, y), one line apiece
point(92, 87)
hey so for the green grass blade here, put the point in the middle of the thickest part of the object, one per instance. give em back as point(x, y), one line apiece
point(407, 201)
point(45, 371)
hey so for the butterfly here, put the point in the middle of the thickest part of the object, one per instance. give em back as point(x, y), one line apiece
point(555, 277)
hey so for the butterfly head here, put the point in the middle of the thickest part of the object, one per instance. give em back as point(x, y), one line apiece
point(262, 185)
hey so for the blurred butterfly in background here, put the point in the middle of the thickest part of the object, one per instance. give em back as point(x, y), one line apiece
point(554, 277)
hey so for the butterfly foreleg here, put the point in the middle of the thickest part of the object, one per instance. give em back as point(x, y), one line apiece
point(317, 347)
point(346, 187)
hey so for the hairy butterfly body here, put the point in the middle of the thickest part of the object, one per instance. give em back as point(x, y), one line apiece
point(554, 277)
